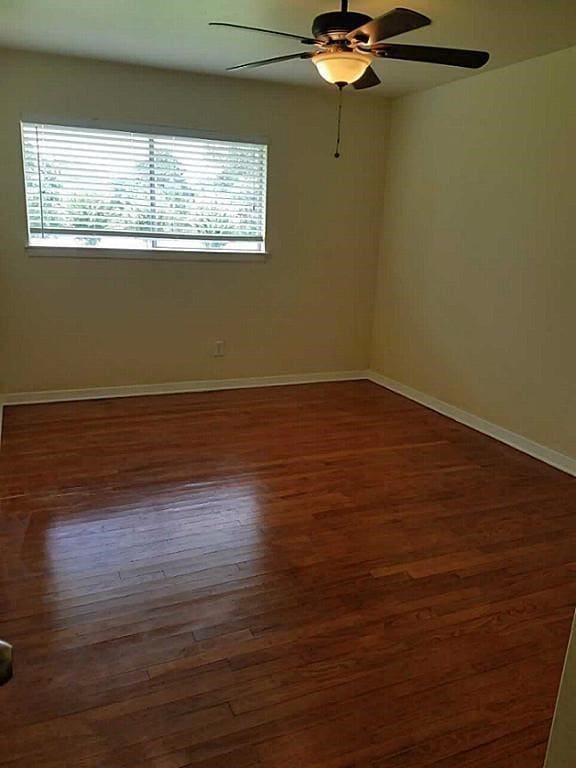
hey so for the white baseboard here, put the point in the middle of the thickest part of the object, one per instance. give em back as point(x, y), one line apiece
point(547, 455)
point(136, 390)
point(521, 443)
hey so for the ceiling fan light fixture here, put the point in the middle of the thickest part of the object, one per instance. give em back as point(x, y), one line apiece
point(342, 67)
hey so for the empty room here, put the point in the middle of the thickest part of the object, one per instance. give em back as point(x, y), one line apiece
point(287, 384)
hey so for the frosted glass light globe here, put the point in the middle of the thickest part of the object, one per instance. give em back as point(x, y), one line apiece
point(342, 66)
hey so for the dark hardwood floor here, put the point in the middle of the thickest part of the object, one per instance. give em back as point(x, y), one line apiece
point(322, 576)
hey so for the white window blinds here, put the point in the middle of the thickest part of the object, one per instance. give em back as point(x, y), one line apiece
point(130, 189)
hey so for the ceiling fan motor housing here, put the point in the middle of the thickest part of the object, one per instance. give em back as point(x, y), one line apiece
point(336, 24)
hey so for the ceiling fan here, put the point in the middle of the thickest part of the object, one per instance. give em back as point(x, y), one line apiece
point(348, 42)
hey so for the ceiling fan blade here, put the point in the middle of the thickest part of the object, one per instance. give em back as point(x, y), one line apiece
point(453, 57)
point(275, 60)
point(303, 38)
point(368, 80)
point(393, 23)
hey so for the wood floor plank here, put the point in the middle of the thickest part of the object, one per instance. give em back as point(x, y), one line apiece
point(316, 576)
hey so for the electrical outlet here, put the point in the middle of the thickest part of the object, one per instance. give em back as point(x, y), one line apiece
point(219, 348)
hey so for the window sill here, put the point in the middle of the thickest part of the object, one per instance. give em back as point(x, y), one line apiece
point(120, 254)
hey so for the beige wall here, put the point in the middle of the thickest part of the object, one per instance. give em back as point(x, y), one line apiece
point(476, 297)
point(68, 323)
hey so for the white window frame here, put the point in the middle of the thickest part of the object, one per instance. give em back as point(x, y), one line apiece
point(91, 252)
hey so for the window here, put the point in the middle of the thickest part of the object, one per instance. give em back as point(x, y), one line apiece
point(90, 187)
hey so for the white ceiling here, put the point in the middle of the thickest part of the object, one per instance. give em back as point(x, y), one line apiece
point(175, 33)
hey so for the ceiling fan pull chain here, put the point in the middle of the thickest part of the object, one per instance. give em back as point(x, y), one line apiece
point(339, 131)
